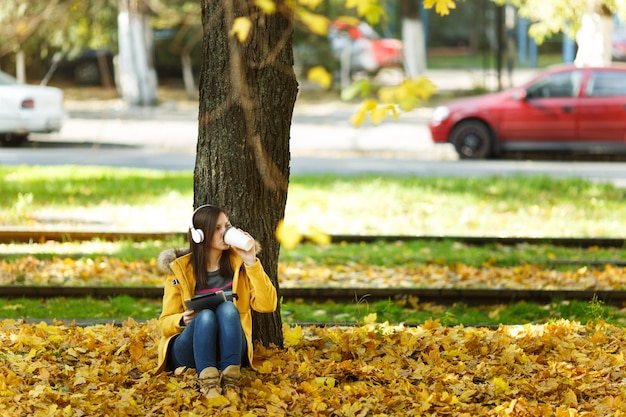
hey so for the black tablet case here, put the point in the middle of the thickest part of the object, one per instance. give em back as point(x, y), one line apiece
point(204, 301)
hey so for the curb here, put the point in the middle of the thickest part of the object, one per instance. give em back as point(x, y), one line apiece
point(443, 296)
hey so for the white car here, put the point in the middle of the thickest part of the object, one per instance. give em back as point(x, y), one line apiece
point(26, 109)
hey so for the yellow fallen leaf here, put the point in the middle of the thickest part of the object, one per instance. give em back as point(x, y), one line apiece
point(569, 398)
point(293, 336)
point(500, 384)
point(218, 401)
point(37, 391)
point(79, 380)
point(325, 381)
point(265, 368)
point(32, 353)
point(370, 318)
point(332, 368)
point(467, 395)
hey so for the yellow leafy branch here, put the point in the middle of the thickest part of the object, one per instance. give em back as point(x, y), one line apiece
point(442, 7)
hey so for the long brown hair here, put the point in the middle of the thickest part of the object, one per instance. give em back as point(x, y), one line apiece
point(205, 219)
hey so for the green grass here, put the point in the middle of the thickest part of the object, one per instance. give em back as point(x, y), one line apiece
point(483, 60)
point(78, 185)
point(362, 205)
point(413, 253)
point(408, 312)
point(405, 312)
point(120, 307)
point(367, 205)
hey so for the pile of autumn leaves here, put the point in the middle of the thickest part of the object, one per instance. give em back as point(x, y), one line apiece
point(111, 271)
point(373, 369)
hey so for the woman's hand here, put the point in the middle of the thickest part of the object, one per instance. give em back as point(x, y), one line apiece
point(188, 316)
point(248, 256)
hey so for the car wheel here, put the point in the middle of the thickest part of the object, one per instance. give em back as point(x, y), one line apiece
point(12, 139)
point(471, 140)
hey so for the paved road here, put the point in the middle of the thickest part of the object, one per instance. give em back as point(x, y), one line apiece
point(165, 137)
point(316, 128)
point(323, 140)
point(149, 158)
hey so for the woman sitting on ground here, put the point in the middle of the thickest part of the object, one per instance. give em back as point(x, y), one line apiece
point(214, 342)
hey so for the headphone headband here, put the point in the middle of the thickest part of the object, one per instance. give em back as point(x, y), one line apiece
point(197, 235)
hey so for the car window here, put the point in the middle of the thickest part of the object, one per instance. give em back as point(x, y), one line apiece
point(6, 79)
point(562, 84)
point(606, 83)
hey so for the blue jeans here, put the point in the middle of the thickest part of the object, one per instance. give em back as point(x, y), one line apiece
point(212, 339)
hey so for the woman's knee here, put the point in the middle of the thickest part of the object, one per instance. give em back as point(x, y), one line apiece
point(205, 318)
point(227, 311)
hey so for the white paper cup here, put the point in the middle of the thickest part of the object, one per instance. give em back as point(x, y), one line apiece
point(234, 237)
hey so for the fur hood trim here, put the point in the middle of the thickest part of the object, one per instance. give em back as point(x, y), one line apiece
point(168, 256)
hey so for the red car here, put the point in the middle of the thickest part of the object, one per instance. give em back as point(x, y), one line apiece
point(565, 109)
point(368, 52)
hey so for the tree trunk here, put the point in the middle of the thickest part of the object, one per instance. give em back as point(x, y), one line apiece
point(594, 37)
point(247, 94)
point(20, 66)
point(188, 80)
point(137, 76)
point(106, 78)
point(413, 39)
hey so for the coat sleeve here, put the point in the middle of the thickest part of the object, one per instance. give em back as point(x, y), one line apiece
point(263, 297)
point(173, 308)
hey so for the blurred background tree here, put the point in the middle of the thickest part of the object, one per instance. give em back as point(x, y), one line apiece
point(31, 32)
point(589, 22)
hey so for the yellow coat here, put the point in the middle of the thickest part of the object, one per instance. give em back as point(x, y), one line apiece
point(253, 287)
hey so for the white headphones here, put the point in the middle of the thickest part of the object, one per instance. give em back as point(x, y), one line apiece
point(197, 235)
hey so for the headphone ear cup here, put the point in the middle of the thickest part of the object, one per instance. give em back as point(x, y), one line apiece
point(196, 235)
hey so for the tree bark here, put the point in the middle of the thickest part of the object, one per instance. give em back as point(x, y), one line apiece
point(247, 94)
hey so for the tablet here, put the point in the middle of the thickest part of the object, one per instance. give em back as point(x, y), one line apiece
point(210, 300)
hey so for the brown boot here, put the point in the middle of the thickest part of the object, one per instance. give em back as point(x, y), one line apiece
point(209, 382)
point(231, 383)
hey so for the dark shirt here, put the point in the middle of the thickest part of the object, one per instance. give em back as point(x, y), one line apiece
point(215, 282)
